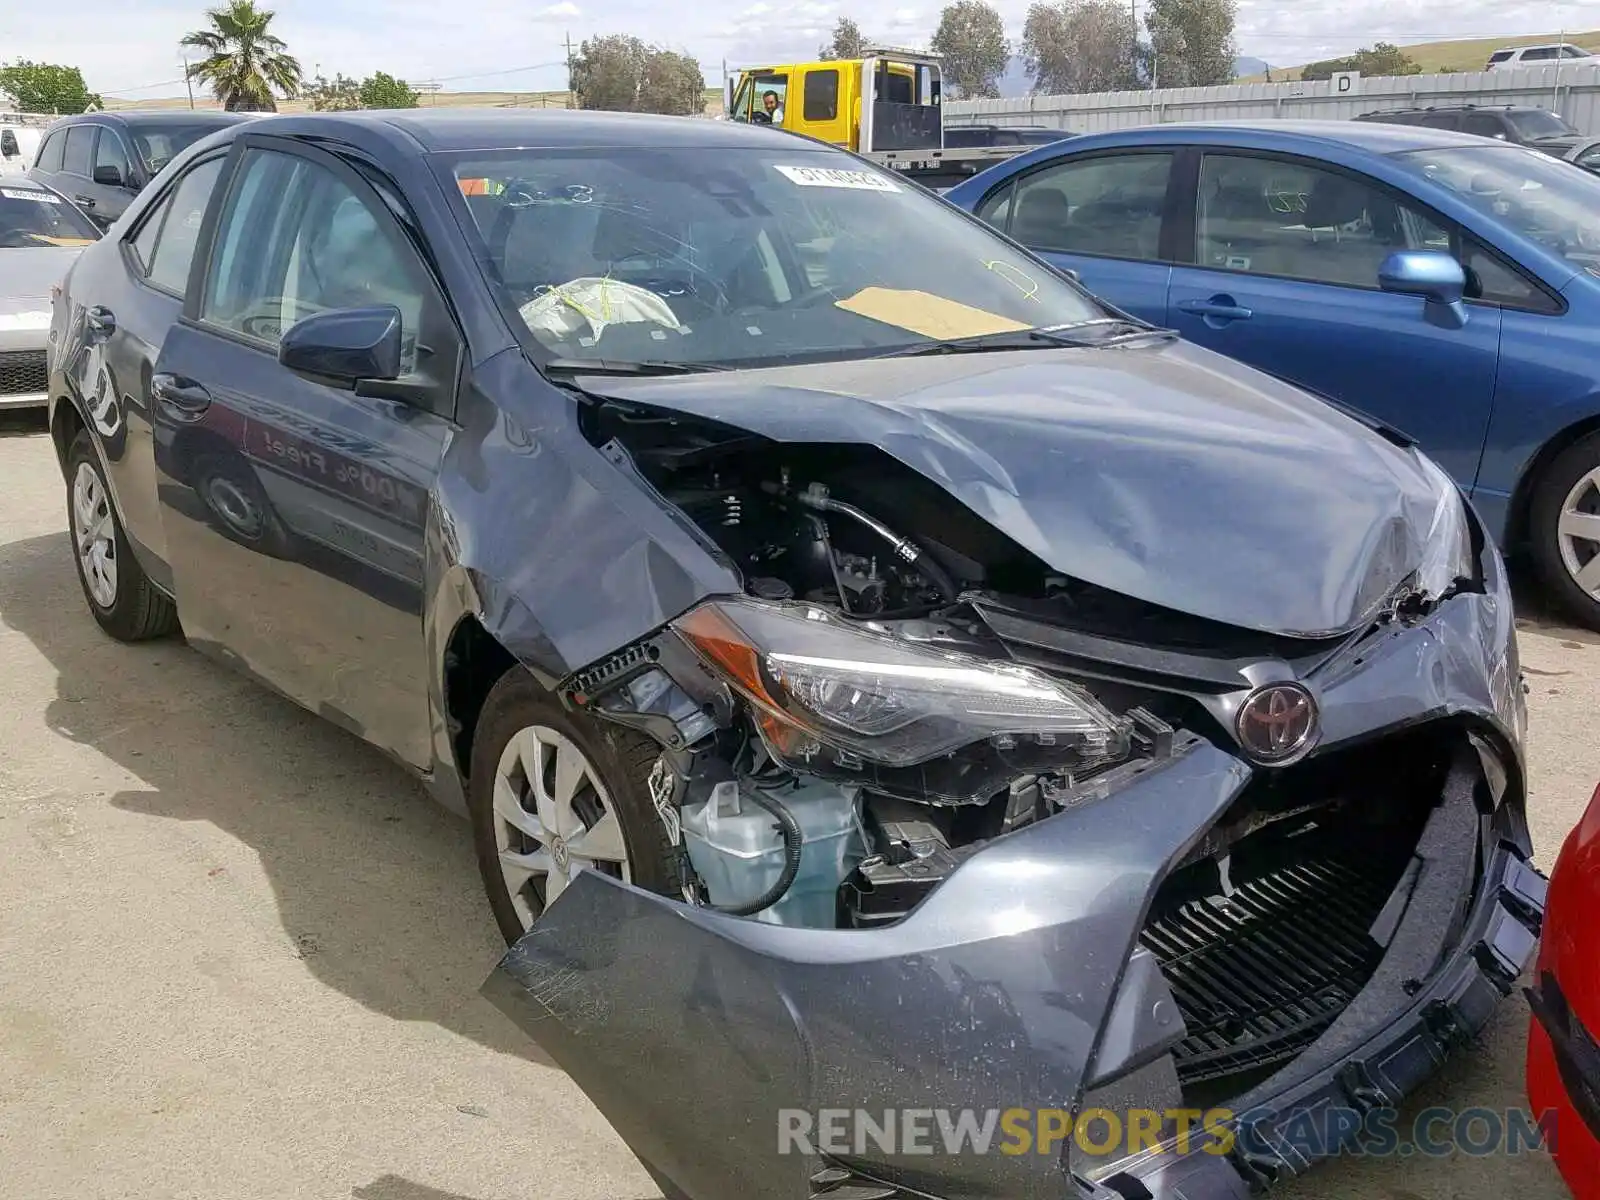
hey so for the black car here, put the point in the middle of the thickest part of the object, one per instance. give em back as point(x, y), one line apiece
point(967, 137)
point(878, 674)
point(1521, 125)
point(103, 159)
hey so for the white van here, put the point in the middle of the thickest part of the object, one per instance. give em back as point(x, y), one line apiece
point(19, 146)
point(1535, 56)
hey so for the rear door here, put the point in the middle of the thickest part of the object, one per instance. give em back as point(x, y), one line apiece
point(1100, 215)
point(111, 176)
point(77, 169)
point(124, 304)
point(294, 507)
point(1286, 256)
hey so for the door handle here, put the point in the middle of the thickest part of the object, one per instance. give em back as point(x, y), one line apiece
point(1218, 308)
point(84, 201)
point(100, 319)
point(184, 397)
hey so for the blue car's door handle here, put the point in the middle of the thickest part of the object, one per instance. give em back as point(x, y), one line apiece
point(1218, 308)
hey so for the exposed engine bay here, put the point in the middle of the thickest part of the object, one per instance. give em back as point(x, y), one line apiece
point(838, 742)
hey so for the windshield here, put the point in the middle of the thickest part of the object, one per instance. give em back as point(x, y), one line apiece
point(159, 146)
point(1540, 197)
point(1538, 123)
point(29, 217)
point(734, 256)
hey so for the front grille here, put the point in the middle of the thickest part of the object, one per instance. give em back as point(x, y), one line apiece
point(22, 372)
point(1259, 975)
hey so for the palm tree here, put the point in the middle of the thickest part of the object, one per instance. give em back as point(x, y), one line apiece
point(244, 63)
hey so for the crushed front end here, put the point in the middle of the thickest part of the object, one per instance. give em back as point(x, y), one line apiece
point(959, 833)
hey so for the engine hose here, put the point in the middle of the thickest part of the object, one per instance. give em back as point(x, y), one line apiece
point(816, 497)
point(790, 829)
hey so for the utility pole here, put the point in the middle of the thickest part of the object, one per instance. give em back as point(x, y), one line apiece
point(572, 94)
point(188, 82)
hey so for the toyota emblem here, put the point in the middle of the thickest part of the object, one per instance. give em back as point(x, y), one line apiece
point(1277, 723)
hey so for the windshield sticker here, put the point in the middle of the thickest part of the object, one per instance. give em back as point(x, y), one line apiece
point(19, 194)
point(1016, 277)
point(834, 177)
point(926, 314)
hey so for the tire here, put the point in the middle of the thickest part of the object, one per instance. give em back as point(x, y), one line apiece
point(1573, 478)
point(620, 759)
point(134, 610)
point(238, 505)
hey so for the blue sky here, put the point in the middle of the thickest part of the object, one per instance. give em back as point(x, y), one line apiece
point(131, 49)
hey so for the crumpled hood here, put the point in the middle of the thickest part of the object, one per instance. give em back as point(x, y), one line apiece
point(1163, 472)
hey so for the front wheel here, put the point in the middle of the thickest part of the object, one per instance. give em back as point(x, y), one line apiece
point(1564, 526)
point(120, 595)
point(552, 792)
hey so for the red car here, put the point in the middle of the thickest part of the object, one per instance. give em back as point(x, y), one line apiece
point(1564, 1039)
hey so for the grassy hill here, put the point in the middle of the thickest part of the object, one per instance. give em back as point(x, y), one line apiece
point(441, 99)
point(1471, 54)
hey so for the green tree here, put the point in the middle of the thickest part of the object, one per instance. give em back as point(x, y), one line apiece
point(1191, 42)
point(382, 90)
point(46, 88)
point(339, 94)
point(1075, 46)
point(1382, 58)
point(972, 38)
point(245, 64)
point(847, 41)
point(620, 73)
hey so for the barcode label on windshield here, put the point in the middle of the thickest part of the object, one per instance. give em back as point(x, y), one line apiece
point(19, 194)
point(833, 177)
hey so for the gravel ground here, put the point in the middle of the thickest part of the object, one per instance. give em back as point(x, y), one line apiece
point(241, 950)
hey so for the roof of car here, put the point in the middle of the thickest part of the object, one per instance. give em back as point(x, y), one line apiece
point(140, 118)
point(451, 129)
point(1454, 108)
point(1372, 136)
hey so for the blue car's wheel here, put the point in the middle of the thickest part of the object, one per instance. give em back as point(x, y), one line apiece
point(1564, 529)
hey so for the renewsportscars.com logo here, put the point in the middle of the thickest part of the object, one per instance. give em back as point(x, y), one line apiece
point(1102, 1133)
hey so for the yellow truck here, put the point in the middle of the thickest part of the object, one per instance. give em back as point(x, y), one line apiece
point(886, 106)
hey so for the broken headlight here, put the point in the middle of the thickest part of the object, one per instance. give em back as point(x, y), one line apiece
point(1447, 554)
point(834, 698)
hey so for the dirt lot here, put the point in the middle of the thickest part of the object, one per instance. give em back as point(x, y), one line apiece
point(241, 951)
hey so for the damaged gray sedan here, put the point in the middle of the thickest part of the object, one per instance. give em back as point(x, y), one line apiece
point(887, 686)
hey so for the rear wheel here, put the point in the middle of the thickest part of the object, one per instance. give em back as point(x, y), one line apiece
point(1564, 526)
point(554, 792)
point(120, 595)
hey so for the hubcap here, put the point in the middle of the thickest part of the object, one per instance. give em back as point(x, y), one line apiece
point(94, 536)
point(552, 818)
point(236, 508)
point(1578, 533)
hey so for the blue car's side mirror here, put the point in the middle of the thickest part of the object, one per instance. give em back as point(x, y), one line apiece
point(1437, 277)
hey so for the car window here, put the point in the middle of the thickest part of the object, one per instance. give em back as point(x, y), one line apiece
point(159, 145)
point(1528, 193)
point(296, 240)
point(1494, 281)
point(774, 249)
point(180, 227)
point(50, 153)
point(1483, 126)
point(8, 143)
point(1441, 120)
point(1290, 219)
point(996, 206)
point(1590, 158)
point(110, 152)
point(1500, 56)
point(1574, 52)
point(1539, 123)
point(821, 95)
point(1539, 54)
point(80, 150)
point(144, 242)
point(1108, 205)
point(32, 217)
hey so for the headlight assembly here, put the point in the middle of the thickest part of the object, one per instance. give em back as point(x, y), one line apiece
point(832, 697)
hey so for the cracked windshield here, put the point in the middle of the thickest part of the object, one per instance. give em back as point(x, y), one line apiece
point(725, 258)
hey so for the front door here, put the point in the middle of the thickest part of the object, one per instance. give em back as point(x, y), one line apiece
point(1100, 216)
point(1286, 279)
point(294, 508)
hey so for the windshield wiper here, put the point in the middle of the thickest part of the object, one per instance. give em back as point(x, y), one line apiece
point(609, 366)
point(1043, 337)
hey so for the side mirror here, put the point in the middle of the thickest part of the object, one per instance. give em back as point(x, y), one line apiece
point(108, 176)
point(347, 345)
point(1437, 277)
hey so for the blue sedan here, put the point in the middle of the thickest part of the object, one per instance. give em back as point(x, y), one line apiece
point(1445, 284)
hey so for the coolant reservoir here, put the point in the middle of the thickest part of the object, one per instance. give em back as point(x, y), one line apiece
point(737, 849)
